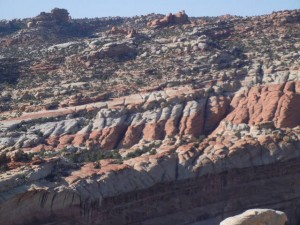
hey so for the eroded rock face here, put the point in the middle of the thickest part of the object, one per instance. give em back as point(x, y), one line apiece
point(257, 217)
point(117, 49)
point(118, 125)
point(178, 18)
point(108, 121)
point(205, 173)
point(56, 16)
point(278, 103)
point(160, 137)
point(130, 33)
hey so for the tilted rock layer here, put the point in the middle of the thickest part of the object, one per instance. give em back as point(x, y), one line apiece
point(279, 103)
point(188, 123)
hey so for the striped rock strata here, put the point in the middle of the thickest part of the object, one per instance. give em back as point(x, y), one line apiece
point(120, 123)
point(219, 173)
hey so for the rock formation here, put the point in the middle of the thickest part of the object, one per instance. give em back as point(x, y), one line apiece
point(178, 18)
point(267, 103)
point(186, 124)
point(257, 217)
point(56, 16)
point(129, 33)
point(115, 50)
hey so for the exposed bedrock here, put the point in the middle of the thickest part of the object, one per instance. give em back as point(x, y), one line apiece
point(204, 200)
point(188, 184)
point(124, 122)
point(159, 116)
point(186, 121)
point(277, 102)
point(253, 163)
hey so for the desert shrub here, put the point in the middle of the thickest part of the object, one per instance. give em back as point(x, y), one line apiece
point(287, 139)
point(3, 168)
point(134, 154)
point(152, 151)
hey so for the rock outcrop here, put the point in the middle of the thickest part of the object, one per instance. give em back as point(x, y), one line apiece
point(56, 16)
point(279, 103)
point(126, 121)
point(170, 19)
point(129, 33)
point(116, 50)
point(187, 124)
point(257, 217)
point(217, 175)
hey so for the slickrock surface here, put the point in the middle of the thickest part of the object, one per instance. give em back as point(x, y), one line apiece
point(148, 120)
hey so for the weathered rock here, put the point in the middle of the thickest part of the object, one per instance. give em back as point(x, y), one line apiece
point(129, 33)
point(217, 108)
point(178, 125)
point(257, 217)
point(278, 103)
point(178, 18)
point(117, 49)
point(132, 136)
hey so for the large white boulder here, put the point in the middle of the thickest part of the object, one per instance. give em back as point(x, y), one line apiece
point(257, 217)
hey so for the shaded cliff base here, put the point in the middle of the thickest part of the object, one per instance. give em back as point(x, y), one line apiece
point(210, 198)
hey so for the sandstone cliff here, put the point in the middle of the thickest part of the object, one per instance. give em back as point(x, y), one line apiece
point(188, 123)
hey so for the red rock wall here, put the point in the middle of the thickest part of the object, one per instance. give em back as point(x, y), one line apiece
point(278, 102)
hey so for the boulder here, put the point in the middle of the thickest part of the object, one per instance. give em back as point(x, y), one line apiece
point(16, 155)
point(30, 24)
point(257, 217)
point(116, 50)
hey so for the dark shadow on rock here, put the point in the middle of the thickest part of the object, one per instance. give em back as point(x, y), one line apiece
point(9, 70)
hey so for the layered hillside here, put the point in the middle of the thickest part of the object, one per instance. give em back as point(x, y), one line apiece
point(148, 120)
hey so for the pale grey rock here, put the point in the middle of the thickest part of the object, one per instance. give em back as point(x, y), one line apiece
point(31, 140)
point(7, 142)
point(257, 217)
point(176, 110)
